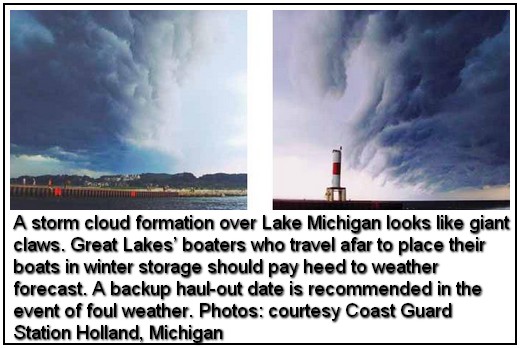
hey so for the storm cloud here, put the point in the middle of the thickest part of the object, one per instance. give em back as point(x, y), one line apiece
point(420, 97)
point(129, 91)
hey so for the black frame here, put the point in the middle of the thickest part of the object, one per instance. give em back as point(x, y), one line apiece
point(268, 4)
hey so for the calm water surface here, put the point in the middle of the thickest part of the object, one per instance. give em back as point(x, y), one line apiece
point(166, 203)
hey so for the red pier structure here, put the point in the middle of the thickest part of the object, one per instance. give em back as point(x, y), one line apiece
point(45, 191)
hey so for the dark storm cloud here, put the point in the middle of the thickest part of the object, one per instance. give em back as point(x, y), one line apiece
point(439, 103)
point(80, 78)
point(339, 44)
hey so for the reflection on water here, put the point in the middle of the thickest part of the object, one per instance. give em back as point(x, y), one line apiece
point(166, 203)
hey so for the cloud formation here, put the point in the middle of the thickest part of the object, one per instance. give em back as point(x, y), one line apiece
point(419, 98)
point(116, 88)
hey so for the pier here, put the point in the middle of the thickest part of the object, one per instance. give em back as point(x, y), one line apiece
point(48, 191)
point(94, 192)
point(295, 204)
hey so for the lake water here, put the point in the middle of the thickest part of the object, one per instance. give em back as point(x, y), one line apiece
point(166, 203)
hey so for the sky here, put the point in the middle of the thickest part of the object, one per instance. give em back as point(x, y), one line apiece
point(419, 101)
point(122, 92)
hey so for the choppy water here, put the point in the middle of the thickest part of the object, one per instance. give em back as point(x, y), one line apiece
point(166, 203)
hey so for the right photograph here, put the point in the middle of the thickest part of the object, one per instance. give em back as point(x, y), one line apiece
point(391, 110)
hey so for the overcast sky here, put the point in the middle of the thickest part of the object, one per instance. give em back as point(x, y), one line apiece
point(96, 92)
point(419, 100)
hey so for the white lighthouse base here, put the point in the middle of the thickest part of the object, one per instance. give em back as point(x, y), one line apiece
point(333, 192)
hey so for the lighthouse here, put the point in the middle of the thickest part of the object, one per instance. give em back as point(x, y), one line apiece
point(335, 189)
point(336, 168)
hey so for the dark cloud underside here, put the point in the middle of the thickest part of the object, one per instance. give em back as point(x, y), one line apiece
point(105, 87)
point(439, 108)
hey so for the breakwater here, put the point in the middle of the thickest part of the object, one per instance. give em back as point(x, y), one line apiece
point(58, 191)
point(294, 204)
point(46, 191)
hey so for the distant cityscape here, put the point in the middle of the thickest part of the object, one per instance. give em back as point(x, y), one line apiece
point(145, 180)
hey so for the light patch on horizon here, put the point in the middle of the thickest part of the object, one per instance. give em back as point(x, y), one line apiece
point(44, 165)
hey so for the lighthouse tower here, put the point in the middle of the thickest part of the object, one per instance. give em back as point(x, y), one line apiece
point(335, 189)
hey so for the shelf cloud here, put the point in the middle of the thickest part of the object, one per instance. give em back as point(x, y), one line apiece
point(418, 98)
point(129, 91)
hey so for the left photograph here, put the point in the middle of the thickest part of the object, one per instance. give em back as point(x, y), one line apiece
point(128, 110)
